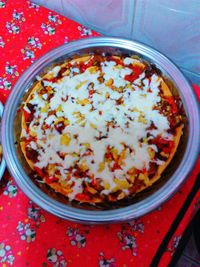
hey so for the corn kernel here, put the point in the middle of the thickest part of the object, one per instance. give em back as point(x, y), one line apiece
point(45, 108)
point(121, 195)
point(87, 145)
point(101, 166)
point(80, 84)
point(129, 86)
point(138, 64)
point(65, 139)
point(66, 122)
point(83, 166)
point(122, 184)
point(164, 154)
point(107, 95)
point(59, 108)
point(119, 67)
point(131, 171)
point(106, 185)
point(131, 178)
point(122, 156)
point(93, 69)
point(114, 152)
point(109, 82)
point(58, 120)
point(91, 190)
point(93, 126)
point(32, 133)
point(83, 102)
point(51, 169)
point(151, 153)
point(142, 119)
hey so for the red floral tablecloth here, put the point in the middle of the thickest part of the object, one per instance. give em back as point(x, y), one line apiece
point(29, 236)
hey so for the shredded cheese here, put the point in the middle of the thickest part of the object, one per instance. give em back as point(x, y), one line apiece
point(99, 117)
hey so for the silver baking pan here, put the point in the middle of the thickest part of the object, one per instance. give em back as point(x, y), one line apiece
point(142, 203)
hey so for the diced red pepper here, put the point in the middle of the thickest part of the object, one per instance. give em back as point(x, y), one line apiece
point(87, 153)
point(116, 166)
point(31, 154)
point(82, 197)
point(84, 66)
point(141, 171)
point(134, 75)
point(28, 116)
point(91, 92)
point(51, 179)
point(174, 108)
point(162, 141)
point(94, 182)
point(60, 126)
point(169, 148)
point(109, 155)
point(117, 60)
point(163, 144)
point(39, 171)
point(90, 63)
point(47, 126)
point(54, 80)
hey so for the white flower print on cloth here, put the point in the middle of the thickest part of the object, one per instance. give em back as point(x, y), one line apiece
point(35, 213)
point(137, 226)
point(77, 237)
point(33, 5)
point(11, 70)
point(49, 27)
point(14, 27)
point(56, 258)
point(10, 74)
point(2, 43)
point(26, 232)
point(84, 31)
point(128, 242)
point(18, 16)
point(103, 262)
point(55, 19)
point(127, 236)
point(6, 255)
point(28, 54)
point(5, 84)
point(3, 3)
point(173, 244)
point(10, 190)
point(33, 44)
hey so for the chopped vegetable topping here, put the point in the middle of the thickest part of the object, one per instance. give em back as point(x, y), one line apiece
point(100, 128)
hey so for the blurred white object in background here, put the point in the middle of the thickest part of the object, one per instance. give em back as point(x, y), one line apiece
point(172, 27)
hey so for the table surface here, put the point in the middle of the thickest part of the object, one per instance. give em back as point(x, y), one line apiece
point(32, 237)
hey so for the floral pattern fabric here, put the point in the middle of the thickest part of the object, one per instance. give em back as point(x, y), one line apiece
point(29, 235)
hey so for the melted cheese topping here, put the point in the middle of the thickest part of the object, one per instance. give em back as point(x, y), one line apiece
point(98, 116)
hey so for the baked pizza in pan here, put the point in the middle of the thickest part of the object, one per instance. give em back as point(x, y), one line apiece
point(100, 128)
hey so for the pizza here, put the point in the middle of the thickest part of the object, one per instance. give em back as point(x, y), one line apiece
point(100, 128)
